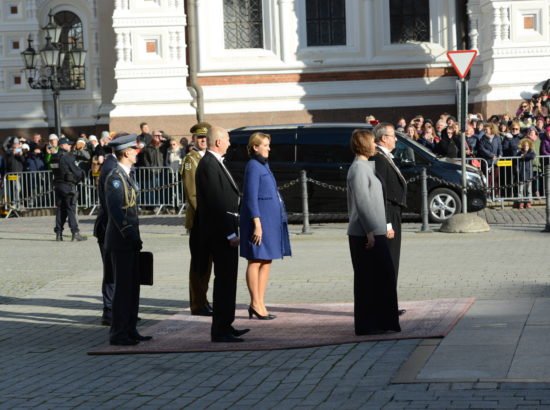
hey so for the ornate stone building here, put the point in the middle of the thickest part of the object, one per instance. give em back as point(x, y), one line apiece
point(273, 61)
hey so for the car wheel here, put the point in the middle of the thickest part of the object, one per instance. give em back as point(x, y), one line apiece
point(442, 204)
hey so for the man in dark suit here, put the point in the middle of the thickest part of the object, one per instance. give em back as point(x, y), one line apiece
point(395, 188)
point(216, 229)
point(123, 242)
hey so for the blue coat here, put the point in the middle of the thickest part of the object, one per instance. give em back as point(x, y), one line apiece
point(261, 199)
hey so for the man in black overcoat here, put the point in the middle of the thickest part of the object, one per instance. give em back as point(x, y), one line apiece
point(216, 229)
point(395, 188)
point(66, 175)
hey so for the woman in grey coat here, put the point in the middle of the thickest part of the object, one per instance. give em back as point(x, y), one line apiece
point(375, 294)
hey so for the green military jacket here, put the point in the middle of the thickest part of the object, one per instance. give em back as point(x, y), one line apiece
point(188, 170)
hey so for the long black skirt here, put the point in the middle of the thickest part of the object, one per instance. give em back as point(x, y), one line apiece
point(374, 287)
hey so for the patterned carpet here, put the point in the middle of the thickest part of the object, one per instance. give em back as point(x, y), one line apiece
point(297, 326)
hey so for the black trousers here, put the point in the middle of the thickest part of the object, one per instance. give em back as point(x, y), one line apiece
point(65, 200)
point(394, 215)
point(126, 295)
point(107, 284)
point(374, 290)
point(226, 263)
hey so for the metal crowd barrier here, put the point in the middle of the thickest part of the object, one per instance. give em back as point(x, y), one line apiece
point(159, 187)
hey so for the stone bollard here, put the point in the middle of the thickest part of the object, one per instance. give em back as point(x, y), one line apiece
point(305, 206)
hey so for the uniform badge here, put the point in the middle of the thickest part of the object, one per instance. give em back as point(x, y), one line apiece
point(188, 166)
point(116, 183)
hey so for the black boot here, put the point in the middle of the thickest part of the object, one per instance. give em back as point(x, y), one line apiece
point(58, 236)
point(77, 237)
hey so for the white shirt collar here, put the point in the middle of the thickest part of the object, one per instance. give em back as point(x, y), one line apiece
point(385, 151)
point(125, 168)
point(201, 153)
point(218, 156)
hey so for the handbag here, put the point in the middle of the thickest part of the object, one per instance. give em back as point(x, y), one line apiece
point(146, 268)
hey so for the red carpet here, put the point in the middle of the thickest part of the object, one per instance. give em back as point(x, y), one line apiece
point(300, 325)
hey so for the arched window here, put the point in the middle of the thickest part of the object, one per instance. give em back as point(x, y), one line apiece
point(71, 36)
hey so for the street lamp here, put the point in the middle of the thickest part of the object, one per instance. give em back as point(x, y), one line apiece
point(54, 73)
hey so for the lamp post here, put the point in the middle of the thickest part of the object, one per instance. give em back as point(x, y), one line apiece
point(54, 73)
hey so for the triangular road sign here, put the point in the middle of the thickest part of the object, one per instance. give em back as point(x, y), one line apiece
point(462, 60)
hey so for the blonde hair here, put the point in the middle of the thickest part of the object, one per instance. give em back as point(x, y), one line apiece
point(255, 140)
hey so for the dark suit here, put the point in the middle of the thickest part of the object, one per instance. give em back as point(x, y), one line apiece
point(123, 243)
point(216, 219)
point(107, 285)
point(395, 188)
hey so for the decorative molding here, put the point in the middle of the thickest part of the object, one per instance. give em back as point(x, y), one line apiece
point(31, 9)
point(128, 73)
point(505, 23)
point(132, 21)
point(180, 45)
point(522, 51)
point(127, 46)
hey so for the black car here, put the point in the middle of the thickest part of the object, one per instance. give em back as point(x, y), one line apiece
point(323, 151)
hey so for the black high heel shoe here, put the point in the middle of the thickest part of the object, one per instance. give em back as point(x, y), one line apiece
point(252, 312)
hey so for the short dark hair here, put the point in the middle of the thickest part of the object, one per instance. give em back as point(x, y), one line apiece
point(142, 124)
point(359, 142)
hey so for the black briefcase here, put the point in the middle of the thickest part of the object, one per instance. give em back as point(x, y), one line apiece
point(146, 268)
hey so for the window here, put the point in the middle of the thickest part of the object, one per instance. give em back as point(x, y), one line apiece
point(410, 20)
point(326, 22)
point(71, 36)
point(243, 24)
point(14, 10)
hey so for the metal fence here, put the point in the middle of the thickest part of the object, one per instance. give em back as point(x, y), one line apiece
point(160, 187)
point(507, 179)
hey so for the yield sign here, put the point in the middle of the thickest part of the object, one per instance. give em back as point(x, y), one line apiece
point(462, 60)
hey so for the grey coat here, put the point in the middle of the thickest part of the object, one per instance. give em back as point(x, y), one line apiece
point(365, 200)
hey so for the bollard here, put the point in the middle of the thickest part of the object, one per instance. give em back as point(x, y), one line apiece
point(305, 207)
point(424, 193)
point(547, 194)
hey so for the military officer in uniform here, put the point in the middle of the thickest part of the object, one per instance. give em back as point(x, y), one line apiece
point(107, 284)
point(198, 281)
point(66, 174)
point(123, 242)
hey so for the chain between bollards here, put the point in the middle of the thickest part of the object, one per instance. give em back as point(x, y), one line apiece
point(424, 193)
point(305, 206)
point(547, 193)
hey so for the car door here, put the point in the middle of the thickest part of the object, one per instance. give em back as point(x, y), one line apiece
point(325, 154)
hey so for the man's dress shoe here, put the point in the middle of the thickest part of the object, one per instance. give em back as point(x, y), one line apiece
point(226, 339)
point(140, 338)
point(205, 311)
point(237, 332)
point(124, 342)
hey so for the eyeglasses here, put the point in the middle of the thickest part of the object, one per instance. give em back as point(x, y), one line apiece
point(157, 135)
point(515, 129)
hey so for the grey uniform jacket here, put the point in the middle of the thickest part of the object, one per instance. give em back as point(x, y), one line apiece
point(366, 206)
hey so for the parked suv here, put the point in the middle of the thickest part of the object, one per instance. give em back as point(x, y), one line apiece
point(323, 150)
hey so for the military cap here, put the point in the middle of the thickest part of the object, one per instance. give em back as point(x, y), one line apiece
point(126, 141)
point(200, 129)
point(65, 141)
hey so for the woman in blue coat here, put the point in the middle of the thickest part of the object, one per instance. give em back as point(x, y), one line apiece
point(263, 223)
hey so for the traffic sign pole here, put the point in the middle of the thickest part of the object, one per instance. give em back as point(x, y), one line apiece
point(462, 61)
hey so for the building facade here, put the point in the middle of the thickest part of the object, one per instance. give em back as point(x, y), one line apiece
point(273, 61)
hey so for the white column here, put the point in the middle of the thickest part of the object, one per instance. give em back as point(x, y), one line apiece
point(286, 29)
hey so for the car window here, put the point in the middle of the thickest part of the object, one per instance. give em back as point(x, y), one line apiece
point(403, 153)
point(282, 144)
point(324, 145)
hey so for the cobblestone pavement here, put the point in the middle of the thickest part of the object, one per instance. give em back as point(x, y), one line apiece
point(49, 294)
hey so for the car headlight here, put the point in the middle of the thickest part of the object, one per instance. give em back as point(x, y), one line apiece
point(473, 179)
